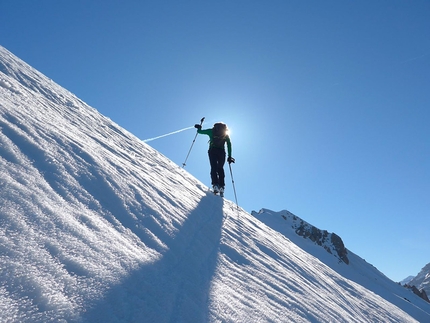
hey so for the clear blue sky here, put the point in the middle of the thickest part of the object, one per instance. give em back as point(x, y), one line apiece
point(328, 102)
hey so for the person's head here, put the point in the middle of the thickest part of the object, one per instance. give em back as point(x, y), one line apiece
point(221, 128)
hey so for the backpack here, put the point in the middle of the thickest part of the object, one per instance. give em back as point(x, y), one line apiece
point(219, 132)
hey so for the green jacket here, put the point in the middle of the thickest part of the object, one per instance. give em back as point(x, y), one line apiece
point(210, 134)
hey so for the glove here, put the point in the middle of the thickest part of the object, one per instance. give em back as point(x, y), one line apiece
point(198, 126)
point(231, 160)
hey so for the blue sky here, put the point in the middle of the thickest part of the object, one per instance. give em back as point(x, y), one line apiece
point(328, 102)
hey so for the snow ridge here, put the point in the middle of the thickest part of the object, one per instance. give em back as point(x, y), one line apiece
point(331, 242)
point(96, 226)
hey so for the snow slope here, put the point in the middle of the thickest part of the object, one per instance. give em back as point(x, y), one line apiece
point(96, 226)
point(358, 270)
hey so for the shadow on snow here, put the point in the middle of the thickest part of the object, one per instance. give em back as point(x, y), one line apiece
point(176, 287)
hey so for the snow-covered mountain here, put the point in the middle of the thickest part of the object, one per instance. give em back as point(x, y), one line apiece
point(422, 280)
point(331, 242)
point(96, 226)
point(406, 280)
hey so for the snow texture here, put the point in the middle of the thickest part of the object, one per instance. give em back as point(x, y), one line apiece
point(96, 226)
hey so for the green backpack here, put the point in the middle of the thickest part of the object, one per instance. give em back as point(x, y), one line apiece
point(219, 133)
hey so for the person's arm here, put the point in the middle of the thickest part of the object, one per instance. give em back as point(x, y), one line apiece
point(227, 139)
point(205, 131)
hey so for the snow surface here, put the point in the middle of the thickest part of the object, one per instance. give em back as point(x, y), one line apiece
point(96, 226)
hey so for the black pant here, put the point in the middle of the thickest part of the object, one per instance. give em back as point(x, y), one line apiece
point(217, 161)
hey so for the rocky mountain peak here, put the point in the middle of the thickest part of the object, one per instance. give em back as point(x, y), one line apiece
point(331, 242)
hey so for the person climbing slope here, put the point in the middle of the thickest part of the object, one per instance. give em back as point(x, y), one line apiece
point(218, 136)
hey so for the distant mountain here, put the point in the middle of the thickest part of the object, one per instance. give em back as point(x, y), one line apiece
point(97, 226)
point(329, 248)
point(330, 242)
point(422, 280)
point(406, 280)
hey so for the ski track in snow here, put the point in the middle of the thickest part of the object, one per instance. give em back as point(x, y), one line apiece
point(96, 226)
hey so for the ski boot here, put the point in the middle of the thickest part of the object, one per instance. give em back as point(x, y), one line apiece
point(221, 191)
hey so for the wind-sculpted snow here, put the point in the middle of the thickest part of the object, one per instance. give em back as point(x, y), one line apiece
point(96, 226)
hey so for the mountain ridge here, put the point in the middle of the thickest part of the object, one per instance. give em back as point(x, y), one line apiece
point(98, 226)
point(331, 242)
point(421, 281)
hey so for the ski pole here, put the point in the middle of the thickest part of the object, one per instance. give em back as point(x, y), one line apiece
point(234, 188)
point(184, 163)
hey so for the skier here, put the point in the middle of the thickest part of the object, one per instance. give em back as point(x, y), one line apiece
point(218, 136)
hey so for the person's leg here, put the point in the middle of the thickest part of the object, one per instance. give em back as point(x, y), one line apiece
point(220, 167)
point(213, 160)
